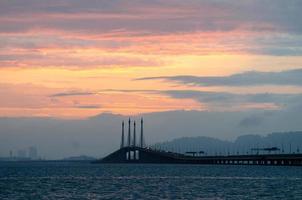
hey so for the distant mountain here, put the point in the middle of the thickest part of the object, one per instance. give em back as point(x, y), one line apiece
point(287, 142)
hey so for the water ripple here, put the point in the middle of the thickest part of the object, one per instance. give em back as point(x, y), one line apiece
point(87, 181)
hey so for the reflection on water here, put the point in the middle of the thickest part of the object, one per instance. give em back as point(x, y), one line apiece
point(63, 180)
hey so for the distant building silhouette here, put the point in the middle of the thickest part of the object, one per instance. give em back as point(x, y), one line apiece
point(21, 153)
point(33, 153)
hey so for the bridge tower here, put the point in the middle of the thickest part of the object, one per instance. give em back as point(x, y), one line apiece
point(134, 134)
point(129, 133)
point(123, 136)
point(142, 134)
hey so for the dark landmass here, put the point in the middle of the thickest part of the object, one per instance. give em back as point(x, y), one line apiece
point(289, 142)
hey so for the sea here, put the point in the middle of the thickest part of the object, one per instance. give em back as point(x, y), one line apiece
point(83, 180)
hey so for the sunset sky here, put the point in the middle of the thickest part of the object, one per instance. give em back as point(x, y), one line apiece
point(76, 59)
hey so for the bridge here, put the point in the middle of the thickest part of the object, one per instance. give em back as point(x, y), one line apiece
point(140, 153)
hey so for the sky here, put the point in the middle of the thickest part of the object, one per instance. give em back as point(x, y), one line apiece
point(75, 59)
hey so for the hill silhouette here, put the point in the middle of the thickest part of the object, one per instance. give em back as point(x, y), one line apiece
point(287, 142)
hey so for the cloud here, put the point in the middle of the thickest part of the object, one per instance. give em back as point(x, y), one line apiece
point(88, 106)
point(220, 101)
point(102, 34)
point(72, 93)
point(60, 103)
point(72, 59)
point(199, 27)
point(223, 101)
point(152, 16)
point(251, 78)
point(109, 91)
point(225, 97)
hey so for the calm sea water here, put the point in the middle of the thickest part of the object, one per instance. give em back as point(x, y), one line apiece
point(63, 180)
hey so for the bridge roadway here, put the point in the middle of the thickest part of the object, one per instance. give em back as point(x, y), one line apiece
point(147, 155)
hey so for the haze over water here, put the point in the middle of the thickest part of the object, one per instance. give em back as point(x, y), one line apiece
point(63, 180)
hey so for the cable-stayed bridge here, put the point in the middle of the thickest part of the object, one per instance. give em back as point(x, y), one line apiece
point(132, 151)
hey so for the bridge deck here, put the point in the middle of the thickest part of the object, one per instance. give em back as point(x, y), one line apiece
point(146, 155)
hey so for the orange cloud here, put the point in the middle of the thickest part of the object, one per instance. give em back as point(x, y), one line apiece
point(39, 101)
point(55, 46)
